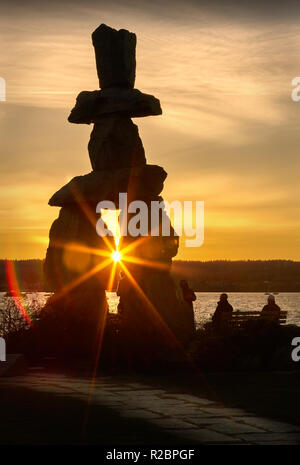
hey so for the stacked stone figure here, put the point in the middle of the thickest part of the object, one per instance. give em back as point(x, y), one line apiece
point(155, 315)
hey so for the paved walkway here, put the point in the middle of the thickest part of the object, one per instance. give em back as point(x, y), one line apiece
point(192, 419)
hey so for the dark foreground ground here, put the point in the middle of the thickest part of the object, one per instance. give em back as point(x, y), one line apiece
point(43, 406)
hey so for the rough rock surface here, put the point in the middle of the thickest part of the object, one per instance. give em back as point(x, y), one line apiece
point(75, 248)
point(118, 101)
point(115, 56)
point(144, 181)
point(115, 143)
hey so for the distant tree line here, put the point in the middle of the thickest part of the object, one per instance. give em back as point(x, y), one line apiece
point(29, 274)
point(214, 276)
point(240, 276)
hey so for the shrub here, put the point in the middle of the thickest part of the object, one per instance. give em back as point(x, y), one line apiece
point(257, 346)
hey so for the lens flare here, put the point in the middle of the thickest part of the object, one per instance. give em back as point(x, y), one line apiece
point(116, 255)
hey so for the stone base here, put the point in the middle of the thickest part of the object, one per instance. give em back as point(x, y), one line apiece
point(153, 325)
point(72, 325)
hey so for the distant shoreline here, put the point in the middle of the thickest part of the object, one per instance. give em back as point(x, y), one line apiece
point(203, 276)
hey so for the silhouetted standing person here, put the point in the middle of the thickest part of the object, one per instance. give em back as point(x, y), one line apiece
point(223, 312)
point(271, 311)
point(187, 293)
point(120, 291)
point(189, 296)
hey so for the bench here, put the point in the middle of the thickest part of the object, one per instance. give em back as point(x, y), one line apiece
point(240, 318)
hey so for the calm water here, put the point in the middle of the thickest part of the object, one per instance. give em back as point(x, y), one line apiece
point(206, 303)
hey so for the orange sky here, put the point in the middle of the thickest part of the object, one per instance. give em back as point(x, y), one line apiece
point(229, 133)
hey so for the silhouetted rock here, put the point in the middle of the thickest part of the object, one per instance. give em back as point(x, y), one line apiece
point(144, 181)
point(115, 143)
point(115, 56)
point(79, 261)
point(124, 102)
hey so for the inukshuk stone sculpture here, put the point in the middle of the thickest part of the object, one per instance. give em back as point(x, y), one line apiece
point(154, 313)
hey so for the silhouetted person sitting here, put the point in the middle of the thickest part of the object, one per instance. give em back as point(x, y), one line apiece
point(223, 313)
point(271, 311)
point(187, 293)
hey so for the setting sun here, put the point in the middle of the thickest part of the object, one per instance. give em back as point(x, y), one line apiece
point(116, 255)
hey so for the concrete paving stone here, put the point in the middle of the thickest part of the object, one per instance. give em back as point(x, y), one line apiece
point(191, 399)
point(78, 382)
point(253, 438)
point(270, 425)
point(201, 421)
point(206, 436)
point(58, 384)
point(199, 413)
point(102, 397)
point(224, 411)
point(110, 404)
point(138, 402)
point(100, 391)
point(154, 402)
point(232, 427)
point(102, 388)
point(114, 407)
point(112, 391)
point(46, 377)
point(141, 398)
point(37, 385)
point(190, 408)
point(138, 386)
point(182, 403)
point(141, 414)
point(52, 389)
point(77, 395)
point(158, 404)
point(104, 400)
point(116, 385)
point(276, 443)
point(105, 388)
point(145, 402)
point(174, 411)
point(103, 393)
point(171, 402)
point(83, 382)
point(140, 394)
point(173, 423)
point(130, 406)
